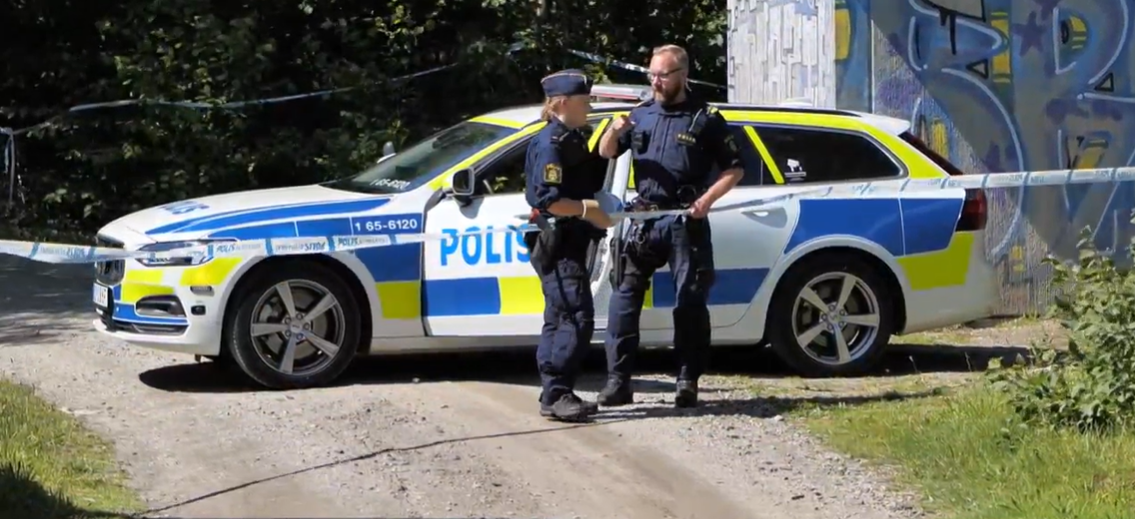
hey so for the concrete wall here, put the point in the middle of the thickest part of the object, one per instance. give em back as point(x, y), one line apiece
point(1001, 85)
point(781, 49)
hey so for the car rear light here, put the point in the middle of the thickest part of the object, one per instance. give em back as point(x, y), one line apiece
point(975, 211)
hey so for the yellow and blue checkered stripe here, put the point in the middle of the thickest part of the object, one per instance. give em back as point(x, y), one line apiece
point(522, 294)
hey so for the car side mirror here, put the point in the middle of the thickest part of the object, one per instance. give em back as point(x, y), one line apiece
point(463, 185)
point(388, 149)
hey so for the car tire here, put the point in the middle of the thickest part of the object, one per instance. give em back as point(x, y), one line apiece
point(792, 319)
point(322, 350)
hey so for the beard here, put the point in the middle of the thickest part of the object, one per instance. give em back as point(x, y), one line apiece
point(668, 94)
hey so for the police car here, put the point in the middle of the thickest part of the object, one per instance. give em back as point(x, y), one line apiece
point(824, 281)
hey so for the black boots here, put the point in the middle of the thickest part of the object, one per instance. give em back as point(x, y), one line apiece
point(686, 394)
point(569, 408)
point(617, 392)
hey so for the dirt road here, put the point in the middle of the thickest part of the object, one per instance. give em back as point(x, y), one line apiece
point(442, 436)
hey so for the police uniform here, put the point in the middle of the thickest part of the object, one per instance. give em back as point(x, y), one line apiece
point(560, 166)
point(674, 149)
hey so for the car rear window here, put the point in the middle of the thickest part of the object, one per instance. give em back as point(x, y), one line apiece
point(941, 161)
point(818, 155)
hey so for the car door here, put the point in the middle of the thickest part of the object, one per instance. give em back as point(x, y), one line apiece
point(802, 157)
point(484, 285)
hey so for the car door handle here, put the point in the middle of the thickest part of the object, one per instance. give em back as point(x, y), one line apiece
point(762, 210)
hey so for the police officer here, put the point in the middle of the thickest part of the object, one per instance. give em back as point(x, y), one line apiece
point(675, 141)
point(561, 184)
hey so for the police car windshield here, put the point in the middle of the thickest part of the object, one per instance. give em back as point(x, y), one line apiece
point(424, 161)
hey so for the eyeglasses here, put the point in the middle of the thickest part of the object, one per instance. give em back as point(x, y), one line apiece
point(651, 76)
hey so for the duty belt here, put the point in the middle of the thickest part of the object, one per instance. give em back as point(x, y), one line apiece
point(686, 197)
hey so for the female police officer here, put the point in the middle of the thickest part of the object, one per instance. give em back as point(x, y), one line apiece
point(561, 184)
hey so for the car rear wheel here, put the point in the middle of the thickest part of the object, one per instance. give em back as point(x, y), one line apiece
point(295, 325)
point(832, 315)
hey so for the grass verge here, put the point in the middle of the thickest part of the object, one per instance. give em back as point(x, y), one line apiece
point(960, 452)
point(53, 468)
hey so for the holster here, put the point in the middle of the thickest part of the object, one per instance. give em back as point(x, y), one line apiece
point(617, 261)
point(543, 246)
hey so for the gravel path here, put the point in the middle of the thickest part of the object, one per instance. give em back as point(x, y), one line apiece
point(413, 437)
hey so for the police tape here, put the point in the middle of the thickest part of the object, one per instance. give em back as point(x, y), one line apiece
point(1062, 177)
point(61, 253)
point(66, 253)
point(590, 56)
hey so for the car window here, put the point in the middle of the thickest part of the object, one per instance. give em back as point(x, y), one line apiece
point(816, 155)
point(424, 161)
point(506, 173)
point(755, 171)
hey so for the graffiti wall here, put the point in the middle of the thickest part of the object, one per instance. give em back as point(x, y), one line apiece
point(1006, 85)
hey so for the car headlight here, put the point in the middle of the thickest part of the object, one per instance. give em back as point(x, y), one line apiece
point(196, 258)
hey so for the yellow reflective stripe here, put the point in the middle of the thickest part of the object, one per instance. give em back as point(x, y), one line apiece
point(400, 299)
point(488, 119)
point(918, 166)
point(443, 180)
point(521, 295)
point(939, 269)
point(140, 283)
point(769, 163)
point(150, 276)
point(211, 273)
point(591, 144)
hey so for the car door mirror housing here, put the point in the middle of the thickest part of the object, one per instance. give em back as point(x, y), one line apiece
point(463, 186)
point(463, 182)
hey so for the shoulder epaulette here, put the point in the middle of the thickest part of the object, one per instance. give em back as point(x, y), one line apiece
point(558, 134)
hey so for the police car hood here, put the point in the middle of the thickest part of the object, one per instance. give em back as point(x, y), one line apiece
point(201, 217)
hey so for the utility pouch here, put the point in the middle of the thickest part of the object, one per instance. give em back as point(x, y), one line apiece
point(543, 247)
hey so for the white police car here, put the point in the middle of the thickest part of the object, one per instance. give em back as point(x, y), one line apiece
point(825, 281)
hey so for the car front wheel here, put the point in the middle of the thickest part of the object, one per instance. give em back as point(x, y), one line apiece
point(295, 325)
point(831, 316)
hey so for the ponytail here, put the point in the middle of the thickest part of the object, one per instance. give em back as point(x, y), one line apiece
point(549, 110)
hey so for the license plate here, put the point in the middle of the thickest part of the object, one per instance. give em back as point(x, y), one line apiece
point(102, 296)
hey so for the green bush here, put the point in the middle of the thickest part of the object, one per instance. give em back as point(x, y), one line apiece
point(1091, 387)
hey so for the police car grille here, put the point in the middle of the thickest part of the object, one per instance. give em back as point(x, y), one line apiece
point(109, 272)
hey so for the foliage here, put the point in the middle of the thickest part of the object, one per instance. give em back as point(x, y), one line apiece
point(51, 467)
point(955, 451)
point(1092, 386)
point(88, 168)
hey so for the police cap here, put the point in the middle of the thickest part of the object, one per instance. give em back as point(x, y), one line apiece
point(571, 82)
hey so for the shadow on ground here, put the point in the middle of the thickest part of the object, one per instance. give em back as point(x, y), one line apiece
point(519, 367)
point(39, 302)
point(21, 496)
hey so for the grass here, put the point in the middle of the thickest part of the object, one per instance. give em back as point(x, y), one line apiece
point(968, 463)
point(1017, 332)
point(53, 468)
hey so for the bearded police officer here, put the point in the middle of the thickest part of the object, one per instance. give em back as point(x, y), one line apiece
point(675, 141)
point(561, 183)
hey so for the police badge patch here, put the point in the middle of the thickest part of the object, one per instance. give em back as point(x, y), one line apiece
point(552, 173)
